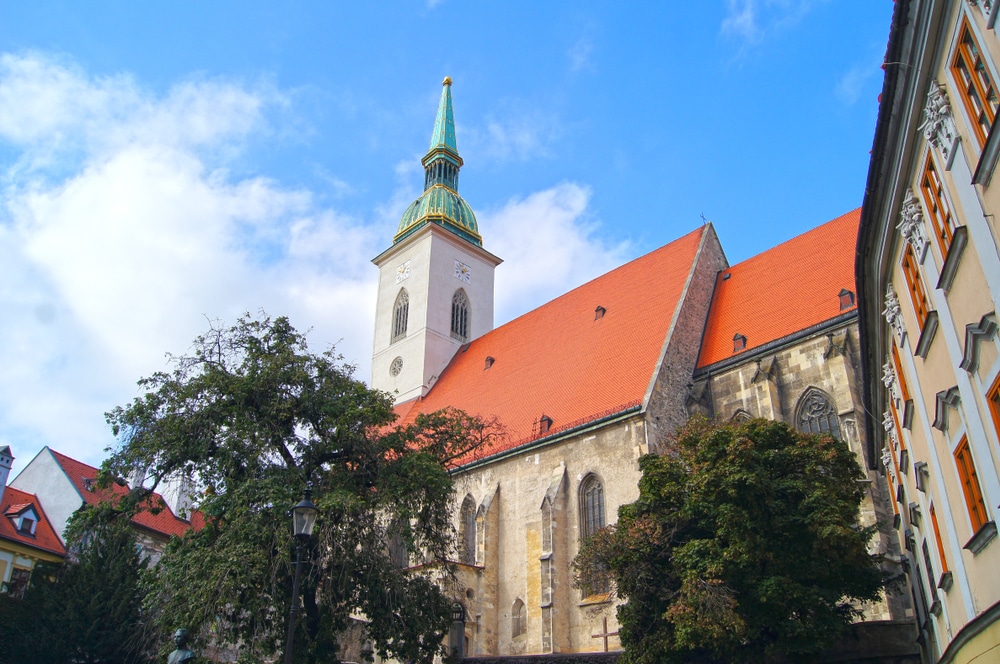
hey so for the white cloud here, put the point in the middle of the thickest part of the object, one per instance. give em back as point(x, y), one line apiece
point(549, 245)
point(852, 83)
point(519, 136)
point(751, 21)
point(121, 231)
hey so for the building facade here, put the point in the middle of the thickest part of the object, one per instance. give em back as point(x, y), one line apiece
point(929, 267)
point(586, 384)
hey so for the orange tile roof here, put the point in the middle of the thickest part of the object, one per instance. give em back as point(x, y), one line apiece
point(563, 362)
point(16, 501)
point(783, 290)
point(163, 522)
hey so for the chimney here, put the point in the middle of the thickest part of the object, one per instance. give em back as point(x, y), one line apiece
point(6, 461)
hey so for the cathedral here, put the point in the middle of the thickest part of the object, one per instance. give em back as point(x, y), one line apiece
point(586, 384)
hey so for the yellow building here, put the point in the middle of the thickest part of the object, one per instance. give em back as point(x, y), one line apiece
point(929, 271)
point(26, 536)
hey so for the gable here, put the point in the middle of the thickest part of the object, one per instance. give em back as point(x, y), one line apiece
point(588, 354)
point(25, 523)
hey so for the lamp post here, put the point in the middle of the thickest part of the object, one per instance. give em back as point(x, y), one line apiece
point(303, 520)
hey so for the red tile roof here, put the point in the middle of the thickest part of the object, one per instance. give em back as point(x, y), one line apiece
point(562, 360)
point(163, 522)
point(784, 290)
point(16, 501)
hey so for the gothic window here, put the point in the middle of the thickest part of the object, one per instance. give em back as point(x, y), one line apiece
point(467, 531)
point(942, 220)
point(975, 84)
point(596, 581)
point(518, 623)
point(741, 416)
point(816, 414)
point(591, 507)
point(400, 315)
point(460, 316)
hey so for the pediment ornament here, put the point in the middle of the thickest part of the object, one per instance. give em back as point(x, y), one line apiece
point(939, 123)
point(911, 224)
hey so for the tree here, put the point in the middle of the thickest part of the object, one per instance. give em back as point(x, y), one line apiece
point(88, 610)
point(744, 543)
point(251, 416)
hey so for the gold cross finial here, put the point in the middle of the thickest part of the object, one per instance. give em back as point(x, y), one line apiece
point(447, 80)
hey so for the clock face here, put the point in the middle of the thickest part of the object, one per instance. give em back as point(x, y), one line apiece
point(463, 272)
point(402, 272)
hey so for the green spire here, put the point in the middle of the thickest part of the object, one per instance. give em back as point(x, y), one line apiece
point(444, 124)
point(440, 203)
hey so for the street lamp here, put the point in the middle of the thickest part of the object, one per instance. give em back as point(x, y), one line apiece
point(303, 520)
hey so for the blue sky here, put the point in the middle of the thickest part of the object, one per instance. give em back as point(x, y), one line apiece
point(162, 164)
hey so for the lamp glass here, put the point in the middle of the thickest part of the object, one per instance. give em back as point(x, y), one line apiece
point(304, 518)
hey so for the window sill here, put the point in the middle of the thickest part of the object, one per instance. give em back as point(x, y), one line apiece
point(600, 598)
point(983, 536)
point(988, 157)
point(927, 335)
point(936, 607)
point(946, 581)
point(951, 262)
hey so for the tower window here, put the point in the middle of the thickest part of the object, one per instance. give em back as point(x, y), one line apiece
point(460, 316)
point(400, 315)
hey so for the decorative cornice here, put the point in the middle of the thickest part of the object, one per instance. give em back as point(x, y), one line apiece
point(893, 314)
point(942, 401)
point(975, 334)
point(986, 6)
point(911, 224)
point(939, 123)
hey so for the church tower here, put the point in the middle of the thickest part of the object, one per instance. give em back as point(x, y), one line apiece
point(435, 289)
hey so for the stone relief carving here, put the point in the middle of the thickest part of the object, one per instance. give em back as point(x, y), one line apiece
point(893, 314)
point(911, 224)
point(939, 123)
point(985, 5)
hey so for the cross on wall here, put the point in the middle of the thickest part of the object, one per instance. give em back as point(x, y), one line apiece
point(604, 634)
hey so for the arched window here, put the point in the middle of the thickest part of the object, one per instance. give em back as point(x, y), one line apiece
point(467, 531)
point(816, 414)
point(518, 622)
point(460, 315)
point(400, 315)
point(594, 581)
point(591, 507)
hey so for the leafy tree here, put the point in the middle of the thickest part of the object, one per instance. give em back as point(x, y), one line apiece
point(251, 416)
point(744, 543)
point(88, 610)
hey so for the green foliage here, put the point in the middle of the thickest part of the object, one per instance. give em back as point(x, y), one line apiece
point(251, 416)
point(744, 543)
point(87, 611)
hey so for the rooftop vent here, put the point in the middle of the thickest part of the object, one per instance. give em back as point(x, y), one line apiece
point(599, 312)
point(489, 362)
point(739, 342)
point(725, 277)
point(544, 424)
point(846, 299)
